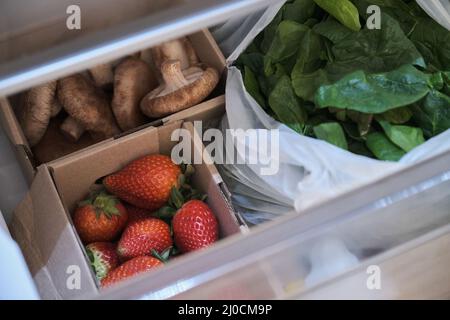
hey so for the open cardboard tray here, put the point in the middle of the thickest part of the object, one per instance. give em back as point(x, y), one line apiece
point(42, 223)
point(207, 51)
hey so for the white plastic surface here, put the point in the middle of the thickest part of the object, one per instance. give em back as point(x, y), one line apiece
point(439, 10)
point(15, 278)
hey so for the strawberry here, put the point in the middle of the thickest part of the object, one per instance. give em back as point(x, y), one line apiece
point(146, 182)
point(136, 214)
point(100, 218)
point(194, 226)
point(131, 268)
point(103, 258)
point(141, 237)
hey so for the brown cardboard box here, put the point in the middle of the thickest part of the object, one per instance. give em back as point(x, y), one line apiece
point(207, 51)
point(42, 223)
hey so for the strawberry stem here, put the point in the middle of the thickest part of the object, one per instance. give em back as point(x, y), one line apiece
point(103, 203)
point(164, 256)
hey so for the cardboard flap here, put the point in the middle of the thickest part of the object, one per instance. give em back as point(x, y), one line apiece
point(212, 56)
point(47, 240)
point(206, 111)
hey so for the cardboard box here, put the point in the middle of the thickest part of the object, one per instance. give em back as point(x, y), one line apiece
point(208, 52)
point(42, 223)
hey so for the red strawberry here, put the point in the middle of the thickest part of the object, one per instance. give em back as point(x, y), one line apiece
point(141, 237)
point(146, 182)
point(100, 218)
point(103, 258)
point(194, 226)
point(131, 268)
point(136, 214)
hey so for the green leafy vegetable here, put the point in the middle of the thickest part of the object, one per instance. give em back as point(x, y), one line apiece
point(342, 10)
point(288, 38)
point(286, 105)
point(383, 148)
point(251, 83)
point(299, 10)
point(433, 114)
point(360, 148)
point(375, 93)
point(332, 30)
point(306, 77)
point(332, 133)
point(374, 51)
point(270, 31)
point(404, 137)
point(396, 116)
point(254, 61)
point(433, 41)
point(363, 120)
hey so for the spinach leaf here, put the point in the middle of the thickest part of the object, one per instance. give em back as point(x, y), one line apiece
point(383, 148)
point(437, 80)
point(405, 137)
point(332, 133)
point(306, 75)
point(374, 51)
point(433, 115)
point(287, 40)
point(360, 149)
point(299, 10)
point(342, 10)
point(286, 105)
point(254, 61)
point(396, 116)
point(306, 84)
point(433, 41)
point(268, 83)
point(311, 22)
point(252, 86)
point(270, 31)
point(446, 89)
point(363, 120)
point(375, 93)
point(332, 30)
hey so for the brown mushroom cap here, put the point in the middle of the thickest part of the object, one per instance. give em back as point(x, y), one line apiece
point(179, 49)
point(133, 79)
point(88, 105)
point(36, 111)
point(102, 75)
point(179, 91)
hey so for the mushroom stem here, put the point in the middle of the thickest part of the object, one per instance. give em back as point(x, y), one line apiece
point(172, 75)
point(179, 49)
point(72, 129)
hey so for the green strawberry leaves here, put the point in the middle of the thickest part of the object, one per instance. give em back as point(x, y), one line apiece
point(165, 255)
point(103, 203)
